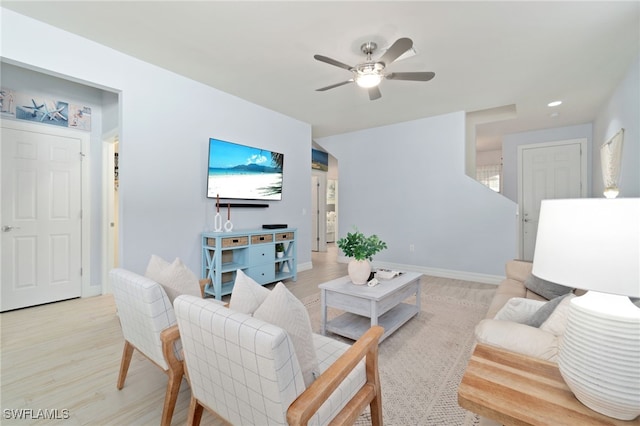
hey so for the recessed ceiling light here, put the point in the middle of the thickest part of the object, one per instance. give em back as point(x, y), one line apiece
point(554, 115)
point(554, 103)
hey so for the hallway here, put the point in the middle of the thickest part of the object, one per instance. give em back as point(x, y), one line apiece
point(325, 268)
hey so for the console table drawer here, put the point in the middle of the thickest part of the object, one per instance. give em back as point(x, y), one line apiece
point(262, 274)
point(284, 236)
point(259, 254)
point(261, 239)
point(235, 242)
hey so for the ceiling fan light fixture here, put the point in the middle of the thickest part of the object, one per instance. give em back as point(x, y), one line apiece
point(369, 74)
point(368, 80)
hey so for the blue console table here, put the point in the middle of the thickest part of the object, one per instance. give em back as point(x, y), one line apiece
point(252, 251)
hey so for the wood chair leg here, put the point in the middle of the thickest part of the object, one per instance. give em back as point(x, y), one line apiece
point(373, 377)
point(127, 354)
point(195, 412)
point(173, 387)
point(376, 411)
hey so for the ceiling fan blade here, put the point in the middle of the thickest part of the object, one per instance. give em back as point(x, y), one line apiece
point(398, 48)
point(322, 89)
point(332, 62)
point(374, 93)
point(412, 76)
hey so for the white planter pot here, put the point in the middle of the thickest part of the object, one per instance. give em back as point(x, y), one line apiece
point(359, 271)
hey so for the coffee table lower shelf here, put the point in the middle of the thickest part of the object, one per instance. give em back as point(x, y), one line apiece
point(354, 326)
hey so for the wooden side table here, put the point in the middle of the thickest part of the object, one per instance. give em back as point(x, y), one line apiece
point(515, 389)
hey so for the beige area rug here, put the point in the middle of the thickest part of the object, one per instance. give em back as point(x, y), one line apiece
point(422, 363)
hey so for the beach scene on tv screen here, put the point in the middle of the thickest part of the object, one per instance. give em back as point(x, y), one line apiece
point(243, 172)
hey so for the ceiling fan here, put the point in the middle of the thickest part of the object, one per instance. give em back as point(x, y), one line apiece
point(370, 73)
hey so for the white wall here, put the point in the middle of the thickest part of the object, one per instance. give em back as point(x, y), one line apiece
point(489, 158)
point(406, 183)
point(165, 123)
point(511, 142)
point(621, 111)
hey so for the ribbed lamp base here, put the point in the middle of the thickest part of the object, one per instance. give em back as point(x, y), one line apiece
point(599, 358)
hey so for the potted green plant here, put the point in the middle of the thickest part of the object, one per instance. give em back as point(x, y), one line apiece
point(361, 250)
point(279, 250)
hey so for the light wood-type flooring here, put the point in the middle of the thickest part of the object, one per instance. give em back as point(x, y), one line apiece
point(64, 358)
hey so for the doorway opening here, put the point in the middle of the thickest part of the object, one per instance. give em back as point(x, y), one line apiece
point(324, 204)
point(111, 182)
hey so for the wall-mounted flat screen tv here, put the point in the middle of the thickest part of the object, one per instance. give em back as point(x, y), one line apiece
point(243, 172)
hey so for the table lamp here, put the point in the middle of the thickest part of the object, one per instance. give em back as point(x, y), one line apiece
point(594, 245)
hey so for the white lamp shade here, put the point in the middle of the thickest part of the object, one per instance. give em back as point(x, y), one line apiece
point(590, 244)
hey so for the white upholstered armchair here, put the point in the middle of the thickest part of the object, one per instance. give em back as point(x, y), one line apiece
point(245, 370)
point(149, 325)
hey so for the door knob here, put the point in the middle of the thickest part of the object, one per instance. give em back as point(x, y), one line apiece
point(7, 228)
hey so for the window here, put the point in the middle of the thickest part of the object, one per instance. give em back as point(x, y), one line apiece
point(489, 176)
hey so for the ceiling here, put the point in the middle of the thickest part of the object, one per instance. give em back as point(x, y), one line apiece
point(485, 54)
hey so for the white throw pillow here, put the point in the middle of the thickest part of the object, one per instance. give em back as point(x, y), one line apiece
point(247, 295)
point(518, 338)
point(283, 309)
point(518, 309)
point(557, 321)
point(175, 278)
point(155, 267)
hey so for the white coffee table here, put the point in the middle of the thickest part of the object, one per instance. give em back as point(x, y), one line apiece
point(366, 306)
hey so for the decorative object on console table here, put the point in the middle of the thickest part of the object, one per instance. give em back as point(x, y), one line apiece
point(217, 219)
point(228, 226)
point(594, 245)
point(361, 249)
point(252, 251)
point(279, 250)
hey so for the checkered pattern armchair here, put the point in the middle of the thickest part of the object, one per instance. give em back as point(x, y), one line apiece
point(245, 370)
point(149, 325)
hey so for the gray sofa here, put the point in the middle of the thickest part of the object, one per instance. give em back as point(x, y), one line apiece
point(511, 335)
point(504, 325)
point(517, 272)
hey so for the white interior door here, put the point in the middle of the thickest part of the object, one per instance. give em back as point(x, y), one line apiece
point(548, 171)
point(41, 218)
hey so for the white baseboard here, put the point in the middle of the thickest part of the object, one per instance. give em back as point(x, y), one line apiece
point(436, 272)
point(92, 290)
point(305, 266)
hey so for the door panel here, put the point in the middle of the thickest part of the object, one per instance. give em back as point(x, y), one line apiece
point(548, 172)
point(41, 218)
